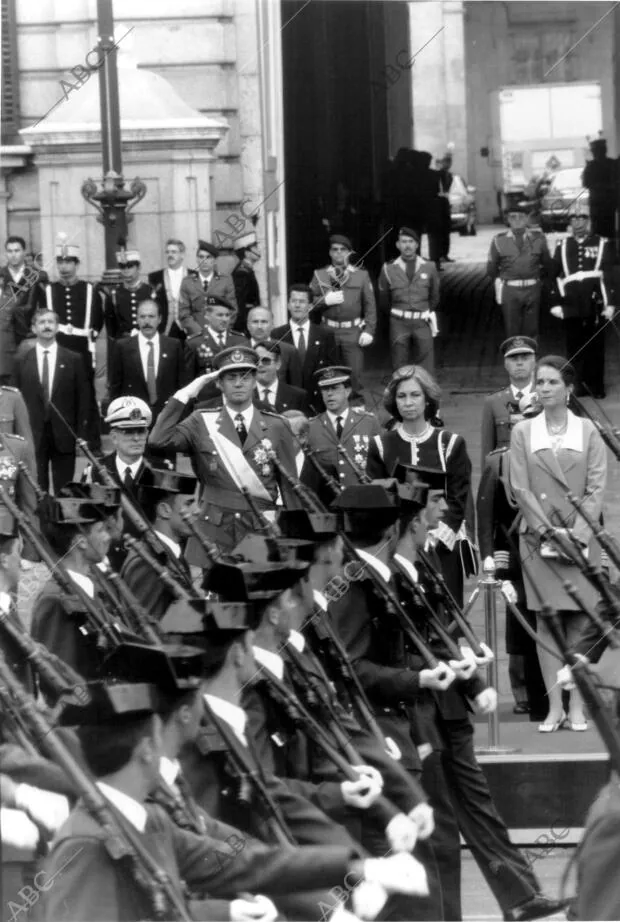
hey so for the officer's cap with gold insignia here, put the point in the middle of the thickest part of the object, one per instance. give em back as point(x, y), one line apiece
point(309, 526)
point(129, 413)
point(204, 247)
point(66, 250)
point(518, 345)
point(98, 493)
point(249, 582)
point(235, 358)
point(264, 549)
point(245, 241)
point(166, 480)
point(333, 374)
point(214, 301)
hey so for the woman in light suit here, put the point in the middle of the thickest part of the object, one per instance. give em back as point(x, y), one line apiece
point(552, 454)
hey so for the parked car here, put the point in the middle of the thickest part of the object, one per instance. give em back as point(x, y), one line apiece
point(463, 206)
point(562, 191)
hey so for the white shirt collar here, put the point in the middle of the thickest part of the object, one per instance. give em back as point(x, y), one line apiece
point(169, 770)
point(130, 808)
point(524, 390)
point(297, 640)
point(334, 416)
point(248, 414)
point(379, 566)
point(175, 272)
point(320, 599)
point(571, 440)
point(300, 459)
point(271, 661)
point(272, 388)
point(53, 349)
point(121, 467)
point(206, 278)
point(296, 327)
point(16, 274)
point(408, 565)
point(234, 716)
point(144, 341)
point(174, 547)
point(84, 582)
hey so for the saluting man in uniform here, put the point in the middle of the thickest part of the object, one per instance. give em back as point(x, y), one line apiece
point(518, 262)
point(121, 304)
point(230, 448)
point(519, 360)
point(345, 298)
point(341, 430)
point(582, 298)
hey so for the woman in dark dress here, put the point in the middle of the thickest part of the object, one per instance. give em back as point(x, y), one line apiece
point(412, 398)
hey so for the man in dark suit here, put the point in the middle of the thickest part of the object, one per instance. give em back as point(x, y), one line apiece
point(206, 280)
point(149, 366)
point(316, 345)
point(519, 360)
point(271, 392)
point(166, 284)
point(53, 383)
point(260, 327)
point(18, 289)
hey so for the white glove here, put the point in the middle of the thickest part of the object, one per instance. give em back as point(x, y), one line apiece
point(558, 312)
point(187, 393)
point(398, 874)
point(365, 339)
point(487, 656)
point(392, 749)
point(371, 772)
point(608, 312)
point(497, 286)
point(439, 678)
point(424, 818)
point(402, 833)
point(509, 591)
point(362, 793)
point(565, 678)
point(463, 668)
point(369, 898)
point(18, 830)
point(334, 297)
point(258, 909)
point(486, 701)
point(47, 809)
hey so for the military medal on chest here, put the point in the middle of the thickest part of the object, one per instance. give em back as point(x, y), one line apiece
point(360, 449)
point(262, 456)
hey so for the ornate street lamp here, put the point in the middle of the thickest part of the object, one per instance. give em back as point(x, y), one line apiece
point(112, 199)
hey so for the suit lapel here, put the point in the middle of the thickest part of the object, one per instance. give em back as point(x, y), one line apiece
point(256, 432)
point(351, 423)
point(164, 359)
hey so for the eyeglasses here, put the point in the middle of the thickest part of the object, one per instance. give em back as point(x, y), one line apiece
point(267, 361)
point(128, 265)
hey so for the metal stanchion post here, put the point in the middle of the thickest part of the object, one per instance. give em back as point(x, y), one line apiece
point(489, 587)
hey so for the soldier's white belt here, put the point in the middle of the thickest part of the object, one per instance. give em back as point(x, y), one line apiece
point(70, 330)
point(520, 283)
point(344, 324)
point(407, 315)
point(580, 276)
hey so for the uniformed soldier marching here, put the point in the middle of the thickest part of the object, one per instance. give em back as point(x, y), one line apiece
point(341, 431)
point(519, 359)
point(583, 298)
point(519, 262)
point(121, 303)
point(230, 448)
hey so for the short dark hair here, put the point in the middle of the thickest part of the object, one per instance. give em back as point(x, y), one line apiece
point(172, 703)
point(217, 650)
point(366, 528)
point(149, 503)
point(271, 345)
point(108, 748)
point(149, 301)
point(15, 239)
point(429, 386)
point(567, 371)
point(303, 289)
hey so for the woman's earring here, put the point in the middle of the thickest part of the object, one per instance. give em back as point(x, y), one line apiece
point(567, 399)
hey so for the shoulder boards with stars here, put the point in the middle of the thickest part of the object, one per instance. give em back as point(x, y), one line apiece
point(270, 413)
point(362, 411)
point(7, 387)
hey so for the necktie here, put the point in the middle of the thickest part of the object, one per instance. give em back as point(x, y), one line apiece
point(128, 480)
point(45, 379)
point(339, 427)
point(266, 398)
point(242, 432)
point(301, 345)
point(518, 395)
point(220, 340)
point(410, 268)
point(150, 374)
point(205, 285)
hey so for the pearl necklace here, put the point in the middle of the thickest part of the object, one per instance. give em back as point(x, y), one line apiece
point(556, 430)
point(411, 437)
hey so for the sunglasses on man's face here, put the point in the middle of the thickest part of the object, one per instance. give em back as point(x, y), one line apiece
point(267, 361)
point(128, 265)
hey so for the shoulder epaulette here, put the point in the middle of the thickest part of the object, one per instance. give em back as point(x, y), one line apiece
point(13, 435)
point(194, 335)
point(270, 413)
point(498, 451)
